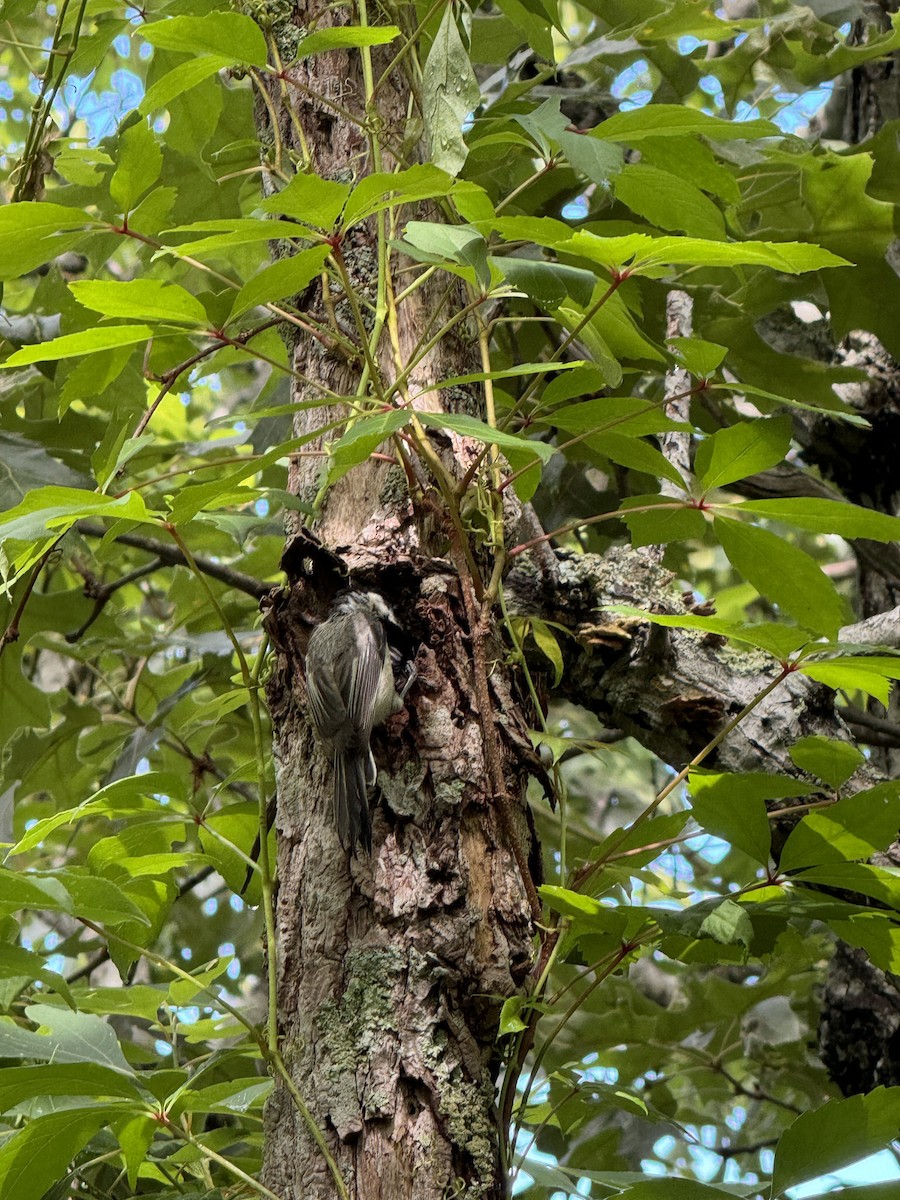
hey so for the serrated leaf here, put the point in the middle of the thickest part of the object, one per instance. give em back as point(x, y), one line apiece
point(729, 924)
point(314, 201)
point(53, 509)
point(71, 345)
point(701, 358)
point(18, 1084)
point(362, 439)
point(640, 252)
point(180, 80)
point(131, 795)
point(458, 243)
point(229, 35)
point(345, 37)
point(38, 1156)
point(668, 201)
point(283, 278)
point(827, 516)
point(482, 432)
point(741, 450)
point(733, 807)
point(141, 299)
point(99, 899)
point(26, 465)
point(138, 165)
point(240, 231)
point(32, 233)
point(831, 1137)
point(661, 520)
point(851, 829)
point(548, 283)
point(24, 890)
point(74, 1037)
point(637, 455)
point(785, 574)
point(676, 120)
point(450, 92)
point(872, 676)
point(379, 191)
point(829, 759)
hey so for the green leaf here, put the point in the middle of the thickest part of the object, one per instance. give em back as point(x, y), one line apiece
point(143, 300)
point(878, 934)
point(701, 358)
point(622, 414)
point(640, 252)
point(19, 1084)
point(638, 456)
point(284, 278)
point(590, 913)
point(135, 1136)
point(510, 1020)
point(785, 574)
point(24, 890)
point(72, 1038)
point(235, 1096)
point(546, 642)
point(70, 345)
point(869, 675)
point(733, 807)
point(482, 432)
point(314, 201)
point(450, 92)
point(829, 759)
point(179, 80)
point(668, 201)
point(548, 283)
point(729, 924)
point(833, 1136)
point(134, 794)
point(664, 520)
point(55, 509)
point(239, 231)
point(39, 1155)
point(345, 37)
point(98, 899)
point(671, 1189)
point(741, 450)
point(228, 35)
point(22, 967)
point(362, 439)
point(826, 516)
point(676, 120)
point(777, 639)
point(383, 190)
point(458, 243)
point(138, 166)
point(849, 830)
point(32, 233)
point(25, 465)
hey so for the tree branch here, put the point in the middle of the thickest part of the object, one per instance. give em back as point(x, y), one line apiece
point(171, 556)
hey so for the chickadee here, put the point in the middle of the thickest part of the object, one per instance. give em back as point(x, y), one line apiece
point(350, 680)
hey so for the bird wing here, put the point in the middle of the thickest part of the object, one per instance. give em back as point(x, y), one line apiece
point(359, 676)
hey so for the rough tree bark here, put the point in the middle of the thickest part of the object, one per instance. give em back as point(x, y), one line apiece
point(392, 967)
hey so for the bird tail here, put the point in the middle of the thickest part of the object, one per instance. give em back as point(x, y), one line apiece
point(352, 776)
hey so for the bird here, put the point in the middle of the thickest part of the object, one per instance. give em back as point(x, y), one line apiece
point(351, 687)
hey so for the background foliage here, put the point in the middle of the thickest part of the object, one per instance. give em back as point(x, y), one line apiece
point(144, 437)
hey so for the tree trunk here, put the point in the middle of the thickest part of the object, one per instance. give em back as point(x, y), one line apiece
point(392, 967)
